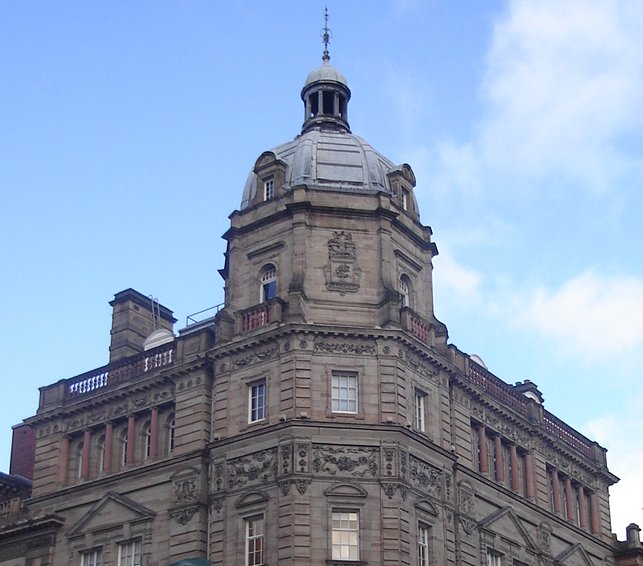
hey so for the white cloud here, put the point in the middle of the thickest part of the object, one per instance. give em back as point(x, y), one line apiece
point(561, 90)
point(592, 316)
point(563, 83)
point(455, 281)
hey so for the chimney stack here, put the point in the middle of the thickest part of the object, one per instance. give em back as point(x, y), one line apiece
point(133, 320)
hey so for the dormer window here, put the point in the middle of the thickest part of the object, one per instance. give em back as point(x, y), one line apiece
point(405, 199)
point(268, 188)
point(405, 291)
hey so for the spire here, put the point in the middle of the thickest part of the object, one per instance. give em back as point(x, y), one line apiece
point(326, 35)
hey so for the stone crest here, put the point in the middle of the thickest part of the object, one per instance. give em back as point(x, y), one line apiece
point(342, 272)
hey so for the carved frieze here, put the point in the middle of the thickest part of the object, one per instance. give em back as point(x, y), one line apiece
point(426, 477)
point(256, 356)
point(342, 272)
point(344, 348)
point(418, 365)
point(345, 461)
point(255, 469)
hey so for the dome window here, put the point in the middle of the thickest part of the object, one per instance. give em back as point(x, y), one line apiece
point(268, 188)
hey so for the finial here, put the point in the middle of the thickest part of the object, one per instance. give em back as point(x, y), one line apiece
point(326, 35)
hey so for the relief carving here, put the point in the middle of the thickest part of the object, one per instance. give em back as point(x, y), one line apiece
point(186, 490)
point(345, 461)
point(341, 272)
point(258, 356)
point(425, 477)
point(344, 348)
point(257, 468)
point(184, 515)
point(302, 458)
point(302, 485)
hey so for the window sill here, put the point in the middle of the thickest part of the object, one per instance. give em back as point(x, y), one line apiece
point(346, 562)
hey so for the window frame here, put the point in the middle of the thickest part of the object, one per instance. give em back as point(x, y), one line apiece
point(262, 409)
point(135, 558)
point(92, 557)
point(419, 409)
point(494, 558)
point(337, 548)
point(268, 188)
point(248, 538)
point(423, 552)
point(335, 401)
point(267, 283)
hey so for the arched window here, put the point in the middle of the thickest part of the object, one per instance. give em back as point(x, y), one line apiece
point(100, 455)
point(170, 433)
point(147, 437)
point(405, 291)
point(79, 459)
point(268, 278)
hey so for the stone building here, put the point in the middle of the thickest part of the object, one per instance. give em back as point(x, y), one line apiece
point(320, 418)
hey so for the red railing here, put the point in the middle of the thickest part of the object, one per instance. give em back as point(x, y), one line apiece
point(554, 426)
point(255, 318)
point(497, 388)
point(517, 401)
point(119, 372)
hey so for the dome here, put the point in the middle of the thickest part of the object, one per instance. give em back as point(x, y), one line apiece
point(325, 73)
point(333, 161)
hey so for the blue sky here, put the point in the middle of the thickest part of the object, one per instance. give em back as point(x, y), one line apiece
point(127, 131)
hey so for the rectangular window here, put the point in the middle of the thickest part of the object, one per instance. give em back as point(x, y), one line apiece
point(493, 558)
point(254, 540)
point(91, 557)
point(423, 545)
point(268, 189)
point(419, 408)
point(129, 553)
point(345, 535)
point(257, 401)
point(344, 392)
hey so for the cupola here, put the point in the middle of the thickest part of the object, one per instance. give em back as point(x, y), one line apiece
point(326, 95)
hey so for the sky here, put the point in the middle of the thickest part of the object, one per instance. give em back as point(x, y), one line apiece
point(127, 130)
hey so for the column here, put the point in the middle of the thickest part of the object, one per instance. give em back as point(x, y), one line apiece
point(154, 433)
point(582, 512)
point(530, 488)
point(87, 445)
point(484, 456)
point(515, 471)
point(500, 460)
point(593, 512)
point(555, 484)
point(107, 458)
point(63, 461)
point(131, 436)
point(569, 492)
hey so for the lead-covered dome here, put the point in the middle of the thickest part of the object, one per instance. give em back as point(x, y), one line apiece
point(329, 161)
point(326, 155)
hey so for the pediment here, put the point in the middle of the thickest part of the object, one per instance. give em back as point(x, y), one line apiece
point(111, 511)
point(574, 556)
point(425, 506)
point(252, 498)
point(345, 490)
point(507, 524)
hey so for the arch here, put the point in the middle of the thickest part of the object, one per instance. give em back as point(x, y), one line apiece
point(268, 282)
point(405, 289)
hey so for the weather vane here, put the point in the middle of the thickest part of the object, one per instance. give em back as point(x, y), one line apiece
point(326, 35)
